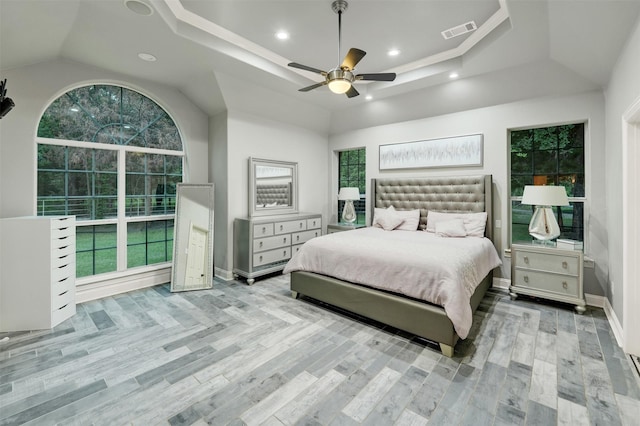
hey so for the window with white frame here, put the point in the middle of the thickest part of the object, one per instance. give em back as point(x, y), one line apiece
point(549, 156)
point(112, 157)
point(352, 167)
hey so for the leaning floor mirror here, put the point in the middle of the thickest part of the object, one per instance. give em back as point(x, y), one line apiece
point(193, 238)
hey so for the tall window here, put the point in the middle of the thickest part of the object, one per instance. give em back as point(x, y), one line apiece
point(352, 173)
point(111, 157)
point(549, 156)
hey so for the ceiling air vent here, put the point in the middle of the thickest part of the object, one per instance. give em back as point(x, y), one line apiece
point(459, 30)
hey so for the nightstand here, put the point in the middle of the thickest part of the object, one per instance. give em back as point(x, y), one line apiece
point(339, 227)
point(547, 272)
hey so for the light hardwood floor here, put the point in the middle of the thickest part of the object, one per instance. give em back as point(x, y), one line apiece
point(253, 355)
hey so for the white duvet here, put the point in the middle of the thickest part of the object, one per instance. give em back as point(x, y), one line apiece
point(419, 264)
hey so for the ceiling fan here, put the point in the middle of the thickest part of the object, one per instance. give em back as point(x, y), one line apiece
point(341, 78)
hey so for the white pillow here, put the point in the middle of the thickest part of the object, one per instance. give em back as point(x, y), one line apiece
point(451, 228)
point(387, 219)
point(474, 223)
point(411, 219)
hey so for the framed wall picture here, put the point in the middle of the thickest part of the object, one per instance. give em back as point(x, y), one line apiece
point(457, 151)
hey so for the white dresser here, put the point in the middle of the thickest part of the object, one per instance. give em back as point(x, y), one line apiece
point(547, 272)
point(262, 245)
point(37, 272)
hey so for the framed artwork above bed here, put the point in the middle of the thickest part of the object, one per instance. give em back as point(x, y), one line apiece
point(457, 151)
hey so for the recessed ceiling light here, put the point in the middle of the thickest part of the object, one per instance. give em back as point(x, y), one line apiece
point(393, 52)
point(139, 7)
point(147, 57)
point(453, 75)
point(282, 35)
point(368, 97)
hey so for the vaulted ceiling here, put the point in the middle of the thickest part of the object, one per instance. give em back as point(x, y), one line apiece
point(212, 50)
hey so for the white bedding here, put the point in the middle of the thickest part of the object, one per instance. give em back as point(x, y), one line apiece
point(442, 271)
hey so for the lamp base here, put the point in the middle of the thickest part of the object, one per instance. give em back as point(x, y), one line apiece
point(349, 212)
point(543, 225)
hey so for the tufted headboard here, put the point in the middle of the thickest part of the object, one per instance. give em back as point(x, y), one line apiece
point(455, 194)
point(268, 194)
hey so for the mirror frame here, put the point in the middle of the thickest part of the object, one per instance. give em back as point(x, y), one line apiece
point(180, 228)
point(253, 210)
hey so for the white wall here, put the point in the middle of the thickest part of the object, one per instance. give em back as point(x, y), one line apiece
point(34, 87)
point(252, 136)
point(622, 91)
point(494, 123)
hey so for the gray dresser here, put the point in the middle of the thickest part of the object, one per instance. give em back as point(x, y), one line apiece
point(547, 272)
point(262, 245)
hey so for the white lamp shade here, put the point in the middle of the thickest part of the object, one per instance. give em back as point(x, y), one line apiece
point(349, 193)
point(543, 195)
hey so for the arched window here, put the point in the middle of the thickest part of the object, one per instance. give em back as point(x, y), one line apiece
point(111, 157)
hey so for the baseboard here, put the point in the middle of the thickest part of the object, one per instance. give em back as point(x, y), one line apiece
point(613, 322)
point(112, 286)
point(223, 274)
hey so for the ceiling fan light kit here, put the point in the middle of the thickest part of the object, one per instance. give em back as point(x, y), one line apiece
point(340, 79)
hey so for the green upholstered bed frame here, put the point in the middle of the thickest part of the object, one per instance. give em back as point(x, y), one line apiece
point(444, 194)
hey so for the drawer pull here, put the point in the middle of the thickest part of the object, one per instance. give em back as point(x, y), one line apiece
point(260, 244)
point(281, 227)
point(314, 223)
point(316, 233)
point(284, 240)
point(564, 265)
point(526, 259)
point(565, 285)
point(284, 253)
point(297, 237)
point(260, 258)
point(526, 278)
point(264, 229)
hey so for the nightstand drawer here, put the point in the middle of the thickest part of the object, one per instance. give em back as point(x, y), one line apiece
point(559, 284)
point(552, 262)
point(276, 255)
point(262, 244)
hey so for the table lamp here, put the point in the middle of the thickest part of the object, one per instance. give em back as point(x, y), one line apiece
point(543, 225)
point(347, 195)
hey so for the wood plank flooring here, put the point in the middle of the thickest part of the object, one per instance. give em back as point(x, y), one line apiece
point(252, 355)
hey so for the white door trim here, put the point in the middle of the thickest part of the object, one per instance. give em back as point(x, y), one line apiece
point(631, 228)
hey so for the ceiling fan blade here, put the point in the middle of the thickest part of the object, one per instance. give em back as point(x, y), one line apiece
point(389, 76)
point(352, 92)
point(353, 57)
point(313, 86)
point(306, 68)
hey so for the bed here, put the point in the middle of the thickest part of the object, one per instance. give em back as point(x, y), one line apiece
point(461, 194)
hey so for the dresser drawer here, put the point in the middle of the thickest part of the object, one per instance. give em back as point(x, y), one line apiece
point(290, 226)
point(314, 223)
point(63, 286)
point(263, 244)
point(302, 237)
point(262, 230)
point(58, 300)
point(560, 284)
point(271, 256)
point(62, 232)
point(66, 271)
point(552, 262)
point(63, 312)
point(64, 250)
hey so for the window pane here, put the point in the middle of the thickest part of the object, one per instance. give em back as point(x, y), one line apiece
point(352, 173)
point(149, 242)
point(571, 160)
point(521, 141)
point(95, 249)
point(545, 138)
point(153, 192)
point(522, 162)
point(545, 162)
point(520, 218)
